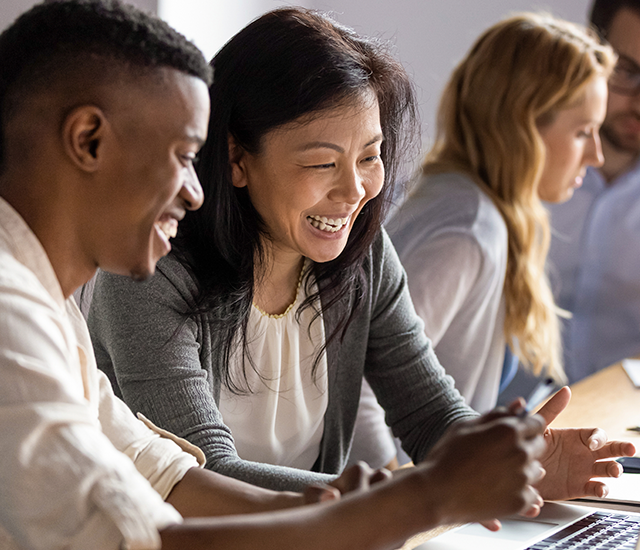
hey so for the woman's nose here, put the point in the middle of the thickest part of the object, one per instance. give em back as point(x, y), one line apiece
point(349, 188)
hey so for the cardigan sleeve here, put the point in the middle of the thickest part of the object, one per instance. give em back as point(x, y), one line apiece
point(164, 365)
point(419, 398)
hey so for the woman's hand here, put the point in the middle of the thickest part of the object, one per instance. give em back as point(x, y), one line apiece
point(574, 456)
point(358, 477)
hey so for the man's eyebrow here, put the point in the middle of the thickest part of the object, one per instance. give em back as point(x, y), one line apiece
point(328, 145)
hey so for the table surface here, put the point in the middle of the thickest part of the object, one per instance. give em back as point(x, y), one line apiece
point(606, 399)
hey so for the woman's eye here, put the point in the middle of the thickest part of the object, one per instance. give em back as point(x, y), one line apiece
point(325, 165)
point(372, 158)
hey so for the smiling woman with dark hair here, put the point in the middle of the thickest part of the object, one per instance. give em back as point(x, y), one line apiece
point(283, 284)
point(283, 290)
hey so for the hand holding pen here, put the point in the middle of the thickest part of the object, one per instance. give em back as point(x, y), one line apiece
point(543, 389)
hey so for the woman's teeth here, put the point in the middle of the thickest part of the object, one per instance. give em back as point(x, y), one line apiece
point(168, 227)
point(330, 225)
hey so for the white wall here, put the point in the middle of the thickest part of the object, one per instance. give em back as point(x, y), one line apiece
point(430, 36)
point(210, 23)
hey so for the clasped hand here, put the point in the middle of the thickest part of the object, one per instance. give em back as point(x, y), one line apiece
point(503, 463)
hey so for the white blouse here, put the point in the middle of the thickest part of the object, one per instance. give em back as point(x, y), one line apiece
point(281, 421)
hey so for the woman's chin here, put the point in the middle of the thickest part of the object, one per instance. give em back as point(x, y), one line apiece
point(323, 255)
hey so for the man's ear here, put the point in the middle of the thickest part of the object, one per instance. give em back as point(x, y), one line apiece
point(237, 162)
point(83, 135)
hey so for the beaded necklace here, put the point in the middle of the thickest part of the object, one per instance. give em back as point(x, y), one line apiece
point(290, 306)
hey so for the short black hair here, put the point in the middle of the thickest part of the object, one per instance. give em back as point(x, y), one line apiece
point(56, 33)
point(603, 12)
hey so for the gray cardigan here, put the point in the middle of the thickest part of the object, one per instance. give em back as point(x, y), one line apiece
point(165, 365)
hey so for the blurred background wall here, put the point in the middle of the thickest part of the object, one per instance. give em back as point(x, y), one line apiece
point(429, 36)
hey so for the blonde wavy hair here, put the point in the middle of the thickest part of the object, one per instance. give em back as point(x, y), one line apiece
point(518, 74)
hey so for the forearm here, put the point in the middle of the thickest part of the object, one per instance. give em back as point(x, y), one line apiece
point(479, 471)
point(205, 493)
point(380, 519)
point(224, 460)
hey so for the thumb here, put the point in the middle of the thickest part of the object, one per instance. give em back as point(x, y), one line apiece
point(555, 405)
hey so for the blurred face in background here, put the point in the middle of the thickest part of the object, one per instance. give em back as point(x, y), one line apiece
point(621, 127)
point(572, 143)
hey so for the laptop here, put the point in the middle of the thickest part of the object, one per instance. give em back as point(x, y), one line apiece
point(559, 526)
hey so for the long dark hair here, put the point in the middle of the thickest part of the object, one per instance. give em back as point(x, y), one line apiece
point(289, 63)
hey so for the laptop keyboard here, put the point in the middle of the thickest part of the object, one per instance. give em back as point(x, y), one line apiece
point(600, 530)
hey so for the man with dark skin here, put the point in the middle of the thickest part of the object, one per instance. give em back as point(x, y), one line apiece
point(102, 111)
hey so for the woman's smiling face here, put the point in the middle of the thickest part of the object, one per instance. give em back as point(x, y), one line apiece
point(311, 178)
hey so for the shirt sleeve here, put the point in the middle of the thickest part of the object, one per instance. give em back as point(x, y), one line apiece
point(165, 366)
point(418, 396)
point(457, 289)
point(441, 274)
point(64, 482)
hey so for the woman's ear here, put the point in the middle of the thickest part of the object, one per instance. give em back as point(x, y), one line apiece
point(83, 133)
point(236, 160)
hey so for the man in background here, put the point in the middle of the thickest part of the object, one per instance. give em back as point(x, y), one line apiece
point(594, 260)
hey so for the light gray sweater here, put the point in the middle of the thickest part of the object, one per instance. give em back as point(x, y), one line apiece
point(166, 366)
point(453, 244)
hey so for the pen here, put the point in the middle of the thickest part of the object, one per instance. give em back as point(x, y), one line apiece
point(543, 389)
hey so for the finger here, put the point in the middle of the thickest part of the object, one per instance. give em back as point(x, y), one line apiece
point(597, 439)
point(517, 406)
point(596, 489)
point(320, 493)
point(532, 512)
point(537, 472)
point(491, 524)
point(537, 446)
point(615, 449)
point(532, 427)
point(494, 414)
point(535, 507)
point(355, 478)
point(555, 405)
point(380, 475)
point(533, 502)
point(607, 468)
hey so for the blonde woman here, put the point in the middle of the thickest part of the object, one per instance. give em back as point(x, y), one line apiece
point(518, 123)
